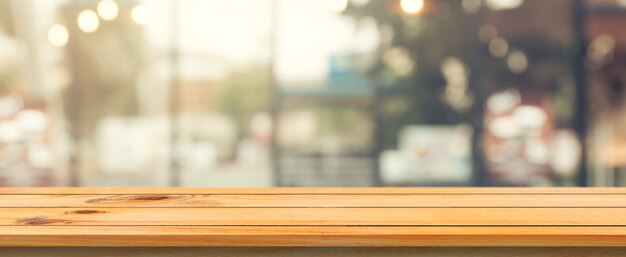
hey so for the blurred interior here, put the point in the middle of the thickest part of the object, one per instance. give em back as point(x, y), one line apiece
point(261, 93)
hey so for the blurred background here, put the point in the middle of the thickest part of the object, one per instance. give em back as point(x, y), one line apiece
point(259, 93)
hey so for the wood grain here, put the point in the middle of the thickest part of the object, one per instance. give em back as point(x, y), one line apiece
point(311, 252)
point(312, 217)
point(316, 216)
point(311, 201)
point(311, 190)
point(184, 236)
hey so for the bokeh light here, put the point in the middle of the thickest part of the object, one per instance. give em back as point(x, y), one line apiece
point(487, 33)
point(108, 10)
point(505, 127)
point(58, 35)
point(601, 50)
point(504, 101)
point(88, 21)
point(498, 47)
point(140, 14)
point(412, 6)
point(399, 61)
point(517, 62)
point(33, 121)
point(531, 117)
point(498, 5)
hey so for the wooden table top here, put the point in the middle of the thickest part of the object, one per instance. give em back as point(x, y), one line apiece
point(312, 217)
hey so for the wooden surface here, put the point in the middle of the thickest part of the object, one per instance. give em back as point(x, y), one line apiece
point(312, 217)
point(311, 252)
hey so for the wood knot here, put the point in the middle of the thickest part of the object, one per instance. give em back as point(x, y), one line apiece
point(85, 212)
point(137, 198)
point(41, 221)
point(150, 197)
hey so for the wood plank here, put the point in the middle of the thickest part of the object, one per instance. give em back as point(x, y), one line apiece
point(312, 217)
point(310, 201)
point(181, 236)
point(316, 216)
point(313, 252)
point(317, 191)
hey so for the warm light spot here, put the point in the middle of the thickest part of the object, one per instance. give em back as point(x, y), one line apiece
point(412, 6)
point(487, 33)
point(337, 6)
point(498, 5)
point(399, 61)
point(601, 50)
point(140, 15)
point(517, 62)
point(108, 10)
point(88, 21)
point(58, 35)
point(455, 74)
point(567, 149)
point(531, 117)
point(498, 47)
point(505, 127)
point(32, 121)
point(501, 102)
